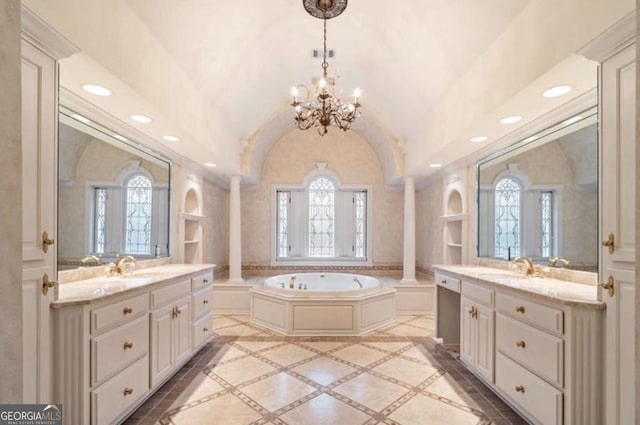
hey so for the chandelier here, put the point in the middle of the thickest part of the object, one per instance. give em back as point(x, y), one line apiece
point(321, 107)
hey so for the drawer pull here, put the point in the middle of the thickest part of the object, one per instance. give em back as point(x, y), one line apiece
point(205, 329)
point(444, 282)
point(520, 344)
point(205, 280)
point(127, 345)
point(127, 310)
point(205, 302)
point(520, 309)
point(520, 389)
point(127, 391)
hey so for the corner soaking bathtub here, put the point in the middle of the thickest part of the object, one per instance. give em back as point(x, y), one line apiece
point(333, 304)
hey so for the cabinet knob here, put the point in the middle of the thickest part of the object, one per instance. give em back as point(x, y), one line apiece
point(127, 391)
point(47, 284)
point(444, 282)
point(205, 302)
point(205, 329)
point(520, 344)
point(520, 309)
point(610, 243)
point(46, 242)
point(205, 280)
point(609, 286)
point(520, 389)
point(127, 345)
point(127, 310)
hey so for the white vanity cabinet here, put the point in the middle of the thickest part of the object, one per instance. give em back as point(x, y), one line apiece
point(477, 330)
point(112, 352)
point(540, 352)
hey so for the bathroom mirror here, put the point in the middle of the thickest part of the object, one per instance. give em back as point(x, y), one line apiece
point(539, 197)
point(113, 196)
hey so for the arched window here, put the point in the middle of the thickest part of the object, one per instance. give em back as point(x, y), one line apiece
point(138, 218)
point(507, 218)
point(321, 217)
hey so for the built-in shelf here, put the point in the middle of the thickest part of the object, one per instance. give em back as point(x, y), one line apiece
point(454, 217)
point(193, 241)
point(455, 245)
point(454, 228)
point(194, 217)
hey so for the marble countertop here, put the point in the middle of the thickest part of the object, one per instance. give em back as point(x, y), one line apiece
point(97, 289)
point(549, 289)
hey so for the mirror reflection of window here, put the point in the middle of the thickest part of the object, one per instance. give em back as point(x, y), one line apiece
point(138, 228)
point(507, 213)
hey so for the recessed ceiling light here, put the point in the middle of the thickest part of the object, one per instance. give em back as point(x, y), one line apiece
point(557, 91)
point(511, 119)
point(141, 118)
point(572, 120)
point(171, 138)
point(210, 164)
point(96, 89)
point(435, 165)
point(81, 118)
point(121, 138)
point(479, 139)
point(531, 139)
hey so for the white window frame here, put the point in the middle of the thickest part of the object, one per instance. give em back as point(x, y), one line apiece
point(320, 261)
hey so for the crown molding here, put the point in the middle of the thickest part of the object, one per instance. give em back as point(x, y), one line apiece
point(43, 36)
point(615, 38)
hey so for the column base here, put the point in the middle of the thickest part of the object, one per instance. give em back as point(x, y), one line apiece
point(235, 281)
point(409, 281)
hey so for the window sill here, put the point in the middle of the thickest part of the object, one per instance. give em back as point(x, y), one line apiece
point(319, 261)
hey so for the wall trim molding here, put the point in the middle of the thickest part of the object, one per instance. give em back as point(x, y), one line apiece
point(43, 36)
point(612, 40)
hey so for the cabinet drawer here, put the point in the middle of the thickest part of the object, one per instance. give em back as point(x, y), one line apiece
point(169, 294)
point(202, 330)
point(450, 283)
point(118, 313)
point(201, 281)
point(113, 398)
point(478, 293)
point(538, 351)
point(537, 314)
point(542, 401)
point(202, 302)
point(116, 349)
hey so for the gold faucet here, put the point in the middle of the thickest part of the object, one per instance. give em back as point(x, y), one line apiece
point(91, 258)
point(121, 263)
point(292, 282)
point(553, 261)
point(527, 262)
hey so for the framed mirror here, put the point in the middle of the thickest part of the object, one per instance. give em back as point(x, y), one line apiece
point(539, 197)
point(113, 196)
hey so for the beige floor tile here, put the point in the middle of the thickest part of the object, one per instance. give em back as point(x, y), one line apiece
point(287, 354)
point(257, 345)
point(359, 354)
point(325, 410)
point(200, 387)
point(239, 330)
point(389, 346)
point(324, 370)
point(419, 353)
point(277, 391)
point(425, 410)
point(423, 322)
point(447, 387)
point(242, 370)
point(324, 345)
point(406, 330)
point(227, 352)
point(405, 371)
point(371, 391)
point(241, 317)
point(225, 410)
point(222, 321)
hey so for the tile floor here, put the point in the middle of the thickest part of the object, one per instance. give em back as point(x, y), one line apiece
point(249, 375)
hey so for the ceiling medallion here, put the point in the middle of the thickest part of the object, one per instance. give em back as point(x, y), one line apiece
point(320, 107)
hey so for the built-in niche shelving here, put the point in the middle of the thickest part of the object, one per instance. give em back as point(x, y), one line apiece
point(454, 224)
point(192, 227)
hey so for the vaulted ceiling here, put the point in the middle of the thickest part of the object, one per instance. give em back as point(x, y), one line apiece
point(218, 72)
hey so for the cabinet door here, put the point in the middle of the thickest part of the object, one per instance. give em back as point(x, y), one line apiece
point(467, 333)
point(38, 215)
point(161, 343)
point(484, 324)
point(182, 331)
point(618, 210)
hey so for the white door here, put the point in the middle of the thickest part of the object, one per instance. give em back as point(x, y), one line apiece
point(467, 332)
point(161, 343)
point(617, 212)
point(484, 342)
point(182, 331)
point(38, 216)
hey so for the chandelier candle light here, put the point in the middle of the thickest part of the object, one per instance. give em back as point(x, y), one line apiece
point(321, 108)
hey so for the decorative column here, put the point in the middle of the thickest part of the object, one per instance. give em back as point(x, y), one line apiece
point(235, 234)
point(409, 252)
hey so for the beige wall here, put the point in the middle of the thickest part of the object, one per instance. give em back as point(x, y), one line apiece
point(10, 212)
point(215, 228)
point(99, 161)
point(354, 162)
point(429, 237)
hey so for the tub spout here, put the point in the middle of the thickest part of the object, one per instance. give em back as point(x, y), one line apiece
point(357, 281)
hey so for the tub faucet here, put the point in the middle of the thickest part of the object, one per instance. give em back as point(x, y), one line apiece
point(529, 270)
point(292, 282)
point(357, 281)
point(553, 261)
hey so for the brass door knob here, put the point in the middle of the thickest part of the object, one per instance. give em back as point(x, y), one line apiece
point(520, 344)
point(205, 302)
point(520, 389)
point(127, 345)
point(610, 242)
point(46, 284)
point(127, 310)
point(609, 286)
point(520, 309)
point(127, 391)
point(46, 242)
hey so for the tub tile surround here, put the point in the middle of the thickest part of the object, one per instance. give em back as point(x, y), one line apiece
point(380, 378)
